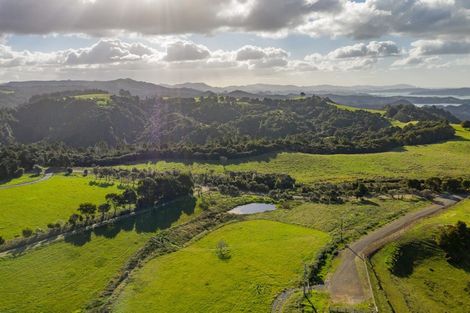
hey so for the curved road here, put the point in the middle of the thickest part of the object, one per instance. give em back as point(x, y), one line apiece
point(346, 285)
point(45, 177)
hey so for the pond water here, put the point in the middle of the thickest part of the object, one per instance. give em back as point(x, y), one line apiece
point(252, 208)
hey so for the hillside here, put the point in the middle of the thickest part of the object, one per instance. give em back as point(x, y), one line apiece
point(408, 112)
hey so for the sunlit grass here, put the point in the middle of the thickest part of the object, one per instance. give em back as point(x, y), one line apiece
point(265, 258)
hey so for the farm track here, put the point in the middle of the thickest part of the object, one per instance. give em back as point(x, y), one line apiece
point(346, 285)
point(45, 177)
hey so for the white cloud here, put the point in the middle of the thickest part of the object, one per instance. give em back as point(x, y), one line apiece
point(360, 56)
point(119, 56)
point(428, 53)
point(109, 51)
point(372, 49)
point(186, 51)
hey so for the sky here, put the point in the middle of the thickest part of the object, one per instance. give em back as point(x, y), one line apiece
point(424, 43)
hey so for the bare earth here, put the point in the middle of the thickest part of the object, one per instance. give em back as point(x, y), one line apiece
point(346, 285)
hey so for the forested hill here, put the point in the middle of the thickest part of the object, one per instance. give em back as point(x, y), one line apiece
point(205, 124)
point(408, 112)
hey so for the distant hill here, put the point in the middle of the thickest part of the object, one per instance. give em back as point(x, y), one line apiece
point(460, 92)
point(461, 111)
point(17, 93)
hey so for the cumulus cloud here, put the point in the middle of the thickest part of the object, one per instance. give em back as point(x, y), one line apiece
point(427, 52)
point(185, 55)
point(109, 51)
point(373, 49)
point(359, 56)
point(436, 47)
point(186, 51)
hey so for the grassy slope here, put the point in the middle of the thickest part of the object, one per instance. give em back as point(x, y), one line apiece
point(65, 276)
point(45, 202)
point(434, 285)
point(266, 257)
point(442, 159)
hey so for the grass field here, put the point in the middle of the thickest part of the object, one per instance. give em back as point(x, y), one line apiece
point(63, 277)
point(265, 258)
point(449, 158)
point(357, 218)
point(49, 201)
point(433, 284)
point(100, 98)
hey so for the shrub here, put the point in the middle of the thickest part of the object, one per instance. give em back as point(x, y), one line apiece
point(223, 250)
point(27, 232)
point(2, 241)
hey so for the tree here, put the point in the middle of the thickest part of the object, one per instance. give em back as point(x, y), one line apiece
point(414, 184)
point(455, 241)
point(361, 191)
point(27, 232)
point(87, 209)
point(104, 208)
point(85, 173)
point(147, 191)
point(37, 170)
point(466, 124)
point(113, 200)
point(129, 196)
point(69, 171)
point(73, 219)
point(433, 183)
point(452, 185)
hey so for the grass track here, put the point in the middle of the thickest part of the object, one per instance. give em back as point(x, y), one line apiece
point(266, 257)
point(26, 178)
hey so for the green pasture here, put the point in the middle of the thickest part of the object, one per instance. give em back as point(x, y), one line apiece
point(449, 158)
point(65, 276)
point(265, 257)
point(99, 98)
point(50, 201)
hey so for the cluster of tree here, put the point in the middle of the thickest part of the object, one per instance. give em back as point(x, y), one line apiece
point(466, 124)
point(437, 184)
point(232, 183)
point(409, 112)
point(455, 241)
point(426, 133)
